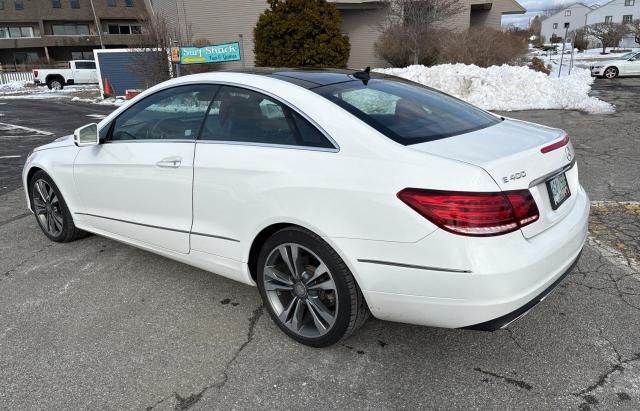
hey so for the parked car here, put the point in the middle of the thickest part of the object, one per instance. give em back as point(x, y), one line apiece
point(626, 65)
point(79, 72)
point(337, 193)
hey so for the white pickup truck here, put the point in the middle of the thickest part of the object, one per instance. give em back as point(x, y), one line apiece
point(79, 72)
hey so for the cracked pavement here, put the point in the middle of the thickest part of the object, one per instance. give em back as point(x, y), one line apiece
point(98, 324)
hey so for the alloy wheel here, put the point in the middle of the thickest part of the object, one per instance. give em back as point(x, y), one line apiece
point(56, 85)
point(47, 208)
point(301, 290)
point(610, 72)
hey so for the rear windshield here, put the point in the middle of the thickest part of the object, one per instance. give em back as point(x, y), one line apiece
point(406, 112)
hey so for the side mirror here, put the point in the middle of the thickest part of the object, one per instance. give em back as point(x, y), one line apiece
point(86, 135)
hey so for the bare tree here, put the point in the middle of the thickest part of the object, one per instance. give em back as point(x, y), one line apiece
point(413, 21)
point(634, 30)
point(152, 51)
point(609, 34)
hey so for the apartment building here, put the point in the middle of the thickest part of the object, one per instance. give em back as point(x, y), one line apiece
point(554, 25)
point(222, 21)
point(61, 30)
point(617, 11)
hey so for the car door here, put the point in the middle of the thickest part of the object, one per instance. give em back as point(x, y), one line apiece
point(137, 183)
point(633, 65)
point(252, 146)
point(81, 72)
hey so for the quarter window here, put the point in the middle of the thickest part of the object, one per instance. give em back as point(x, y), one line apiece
point(173, 114)
point(241, 115)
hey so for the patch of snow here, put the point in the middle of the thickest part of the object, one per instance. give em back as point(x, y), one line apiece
point(13, 85)
point(508, 88)
point(111, 102)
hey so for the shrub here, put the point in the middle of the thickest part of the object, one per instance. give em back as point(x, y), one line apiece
point(300, 33)
point(538, 65)
point(391, 47)
point(483, 47)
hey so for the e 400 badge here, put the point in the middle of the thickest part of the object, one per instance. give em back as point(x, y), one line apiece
point(514, 176)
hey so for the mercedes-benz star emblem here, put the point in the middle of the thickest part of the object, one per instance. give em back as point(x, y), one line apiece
point(568, 153)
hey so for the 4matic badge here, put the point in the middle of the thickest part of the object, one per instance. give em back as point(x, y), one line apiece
point(514, 176)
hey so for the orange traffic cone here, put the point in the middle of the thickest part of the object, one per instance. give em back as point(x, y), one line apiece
point(108, 91)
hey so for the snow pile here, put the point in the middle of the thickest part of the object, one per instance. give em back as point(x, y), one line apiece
point(13, 85)
point(508, 88)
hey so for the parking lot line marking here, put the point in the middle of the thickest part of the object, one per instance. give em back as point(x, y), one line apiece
point(32, 130)
point(10, 156)
point(96, 116)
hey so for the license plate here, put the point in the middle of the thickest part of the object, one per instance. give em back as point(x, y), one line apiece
point(558, 189)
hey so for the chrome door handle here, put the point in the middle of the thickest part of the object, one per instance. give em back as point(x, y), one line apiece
point(169, 162)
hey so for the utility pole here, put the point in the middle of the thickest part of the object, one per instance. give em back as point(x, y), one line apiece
point(98, 27)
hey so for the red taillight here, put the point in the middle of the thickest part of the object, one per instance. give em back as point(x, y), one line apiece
point(473, 214)
point(556, 145)
point(35, 73)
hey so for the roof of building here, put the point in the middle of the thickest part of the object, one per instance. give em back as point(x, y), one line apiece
point(568, 7)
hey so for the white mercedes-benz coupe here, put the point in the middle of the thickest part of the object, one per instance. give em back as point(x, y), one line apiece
point(338, 193)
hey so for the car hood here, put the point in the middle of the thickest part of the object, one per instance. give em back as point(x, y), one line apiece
point(58, 142)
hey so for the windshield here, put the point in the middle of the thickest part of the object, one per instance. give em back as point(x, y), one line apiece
point(627, 56)
point(407, 112)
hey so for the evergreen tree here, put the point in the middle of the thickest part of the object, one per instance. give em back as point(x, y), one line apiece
point(300, 33)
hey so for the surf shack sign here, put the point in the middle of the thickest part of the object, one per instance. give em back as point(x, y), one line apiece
point(210, 54)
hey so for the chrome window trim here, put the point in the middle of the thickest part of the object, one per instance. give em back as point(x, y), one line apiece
point(151, 140)
point(270, 145)
point(552, 174)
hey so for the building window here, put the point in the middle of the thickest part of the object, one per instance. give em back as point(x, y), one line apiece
point(555, 25)
point(608, 19)
point(627, 19)
point(19, 4)
point(25, 57)
point(124, 28)
point(567, 13)
point(70, 29)
point(629, 2)
point(128, 3)
point(1, 4)
point(56, 4)
point(75, 4)
point(82, 55)
point(112, 3)
point(15, 32)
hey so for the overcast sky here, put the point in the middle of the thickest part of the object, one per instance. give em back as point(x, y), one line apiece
point(535, 7)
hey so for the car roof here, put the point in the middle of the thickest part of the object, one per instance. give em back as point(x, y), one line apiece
point(308, 78)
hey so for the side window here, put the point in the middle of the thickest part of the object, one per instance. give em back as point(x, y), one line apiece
point(241, 115)
point(171, 114)
point(85, 65)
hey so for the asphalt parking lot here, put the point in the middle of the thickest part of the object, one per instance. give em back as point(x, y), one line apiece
point(98, 324)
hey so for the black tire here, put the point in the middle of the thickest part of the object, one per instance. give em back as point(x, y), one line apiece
point(68, 231)
point(55, 83)
point(351, 312)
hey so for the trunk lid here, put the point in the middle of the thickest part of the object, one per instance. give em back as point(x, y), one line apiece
point(511, 153)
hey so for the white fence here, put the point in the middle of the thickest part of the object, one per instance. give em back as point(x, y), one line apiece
point(8, 77)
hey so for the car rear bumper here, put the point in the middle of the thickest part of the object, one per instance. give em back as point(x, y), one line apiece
point(451, 281)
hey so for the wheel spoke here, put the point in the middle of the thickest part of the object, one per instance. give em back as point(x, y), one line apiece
point(286, 313)
point(57, 220)
point(275, 286)
point(275, 275)
point(49, 222)
point(39, 205)
point(320, 314)
point(41, 190)
point(320, 270)
point(54, 199)
point(291, 256)
point(323, 285)
point(298, 314)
